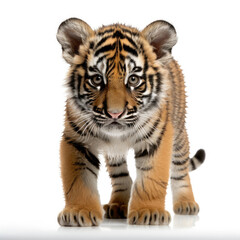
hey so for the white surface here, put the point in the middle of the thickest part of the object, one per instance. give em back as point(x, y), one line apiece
point(32, 103)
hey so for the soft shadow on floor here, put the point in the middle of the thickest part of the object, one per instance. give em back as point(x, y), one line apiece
point(178, 222)
point(181, 221)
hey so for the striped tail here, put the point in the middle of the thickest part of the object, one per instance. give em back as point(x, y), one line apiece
point(197, 160)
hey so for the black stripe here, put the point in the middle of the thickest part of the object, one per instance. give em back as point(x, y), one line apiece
point(75, 100)
point(122, 58)
point(145, 68)
point(137, 69)
point(153, 103)
point(74, 180)
point(101, 59)
point(178, 146)
point(87, 89)
point(118, 34)
point(179, 178)
point(90, 170)
point(129, 31)
point(105, 31)
point(159, 82)
point(72, 80)
point(147, 96)
point(193, 164)
point(91, 45)
point(143, 90)
point(131, 41)
point(182, 169)
point(105, 49)
point(120, 190)
point(141, 153)
point(76, 128)
point(89, 156)
point(85, 95)
point(181, 126)
point(180, 162)
point(79, 85)
point(84, 64)
point(104, 39)
point(80, 168)
point(150, 78)
point(79, 164)
point(130, 50)
point(122, 67)
point(89, 102)
point(182, 154)
point(124, 174)
point(84, 168)
point(117, 164)
point(144, 168)
point(97, 110)
point(94, 69)
point(100, 117)
point(110, 67)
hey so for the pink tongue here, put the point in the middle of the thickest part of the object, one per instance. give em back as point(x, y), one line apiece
point(115, 115)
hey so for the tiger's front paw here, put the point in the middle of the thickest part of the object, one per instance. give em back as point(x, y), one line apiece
point(80, 217)
point(186, 208)
point(115, 210)
point(149, 217)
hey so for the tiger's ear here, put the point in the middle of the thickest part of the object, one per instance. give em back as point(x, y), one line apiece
point(71, 34)
point(162, 36)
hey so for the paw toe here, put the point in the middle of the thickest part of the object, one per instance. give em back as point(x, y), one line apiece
point(143, 218)
point(79, 217)
point(115, 210)
point(186, 208)
point(149, 217)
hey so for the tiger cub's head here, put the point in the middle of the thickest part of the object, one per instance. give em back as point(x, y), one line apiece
point(116, 72)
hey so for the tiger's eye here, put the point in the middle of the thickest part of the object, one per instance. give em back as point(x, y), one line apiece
point(96, 80)
point(133, 80)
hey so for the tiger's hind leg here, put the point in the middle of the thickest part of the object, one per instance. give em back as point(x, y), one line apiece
point(121, 188)
point(183, 198)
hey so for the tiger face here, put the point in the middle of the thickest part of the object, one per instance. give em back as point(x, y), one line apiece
point(115, 76)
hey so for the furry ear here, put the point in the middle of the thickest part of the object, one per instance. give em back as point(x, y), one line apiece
point(71, 34)
point(162, 36)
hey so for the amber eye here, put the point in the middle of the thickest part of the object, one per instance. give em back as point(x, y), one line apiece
point(133, 80)
point(96, 80)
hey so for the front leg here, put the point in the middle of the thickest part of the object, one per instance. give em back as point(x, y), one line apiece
point(79, 170)
point(147, 203)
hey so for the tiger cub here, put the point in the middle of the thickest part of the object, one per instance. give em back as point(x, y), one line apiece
point(125, 91)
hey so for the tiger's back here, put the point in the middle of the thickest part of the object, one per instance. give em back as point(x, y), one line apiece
point(124, 91)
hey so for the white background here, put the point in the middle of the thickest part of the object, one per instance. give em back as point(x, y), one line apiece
point(32, 99)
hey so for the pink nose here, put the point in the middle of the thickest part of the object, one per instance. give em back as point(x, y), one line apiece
point(115, 115)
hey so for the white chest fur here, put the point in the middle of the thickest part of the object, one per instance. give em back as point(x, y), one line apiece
point(114, 149)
